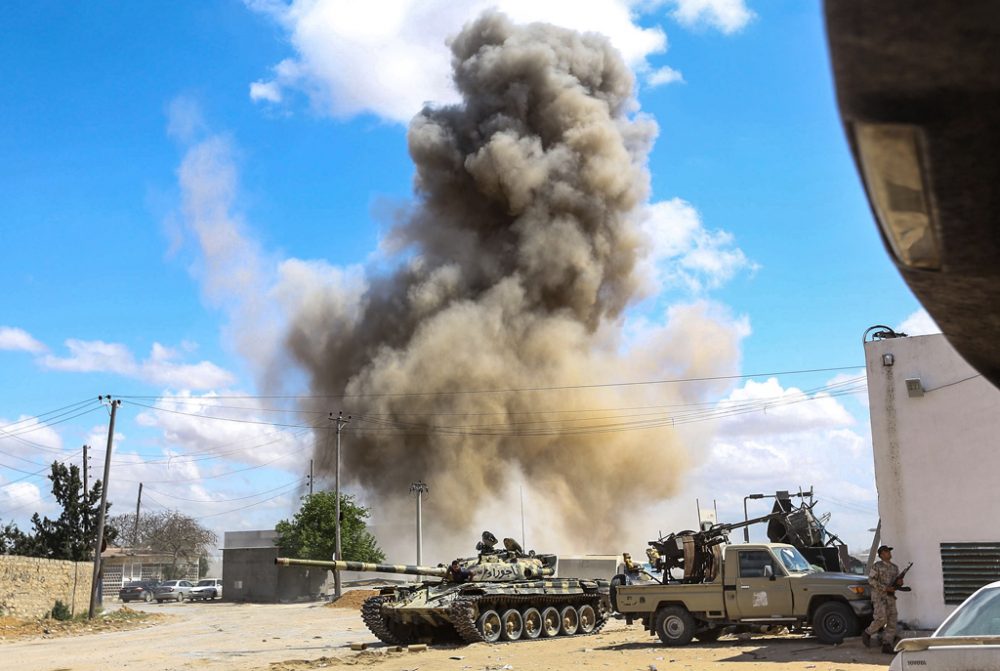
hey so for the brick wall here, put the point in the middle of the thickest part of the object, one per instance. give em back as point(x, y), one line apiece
point(29, 586)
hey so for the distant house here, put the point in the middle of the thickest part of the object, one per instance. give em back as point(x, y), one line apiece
point(121, 565)
point(935, 427)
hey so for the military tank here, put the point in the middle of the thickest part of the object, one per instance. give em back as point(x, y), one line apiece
point(498, 595)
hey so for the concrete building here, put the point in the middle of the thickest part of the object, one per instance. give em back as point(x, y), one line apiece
point(935, 434)
point(250, 574)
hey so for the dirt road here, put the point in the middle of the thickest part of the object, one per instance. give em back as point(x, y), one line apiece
point(225, 637)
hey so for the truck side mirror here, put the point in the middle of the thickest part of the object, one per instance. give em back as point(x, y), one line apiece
point(769, 572)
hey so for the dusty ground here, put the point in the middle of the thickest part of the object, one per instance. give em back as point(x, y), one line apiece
point(214, 636)
point(15, 629)
point(617, 647)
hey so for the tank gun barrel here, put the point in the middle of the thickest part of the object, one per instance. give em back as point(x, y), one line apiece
point(408, 569)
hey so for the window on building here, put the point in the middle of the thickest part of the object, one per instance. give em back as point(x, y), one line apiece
point(966, 567)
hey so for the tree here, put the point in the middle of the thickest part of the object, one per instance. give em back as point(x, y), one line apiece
point(70, 536)
point(167, 532)
point(311, 533)
point(13, 541)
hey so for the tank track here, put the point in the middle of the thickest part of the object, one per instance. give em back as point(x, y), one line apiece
point(462, 612)
point(371, 613)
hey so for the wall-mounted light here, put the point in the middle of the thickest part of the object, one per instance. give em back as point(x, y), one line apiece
point(893, 172)
point(914, 388)
point(888, 359)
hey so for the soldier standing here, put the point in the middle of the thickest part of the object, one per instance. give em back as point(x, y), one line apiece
point(883, 578)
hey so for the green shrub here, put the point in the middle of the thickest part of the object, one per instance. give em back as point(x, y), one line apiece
point(60, 611)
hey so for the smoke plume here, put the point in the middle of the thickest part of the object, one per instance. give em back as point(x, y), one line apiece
point(515, 266)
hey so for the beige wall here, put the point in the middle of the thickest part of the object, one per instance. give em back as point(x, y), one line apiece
point(29, 586)
point(936, 461)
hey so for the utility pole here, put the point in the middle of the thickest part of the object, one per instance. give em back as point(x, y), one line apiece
point(99, 541)
point(310, 477)
point(135, 533)
point(337, 590)
point(85, 459)
point(419, 488)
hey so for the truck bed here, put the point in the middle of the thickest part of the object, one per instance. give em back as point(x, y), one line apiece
point(645, 598)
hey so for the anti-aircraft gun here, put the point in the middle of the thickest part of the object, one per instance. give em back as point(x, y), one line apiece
point(499, 594)
point(799, 526)
point(696, 555)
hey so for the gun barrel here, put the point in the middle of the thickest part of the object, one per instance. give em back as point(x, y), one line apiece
point(408, 569)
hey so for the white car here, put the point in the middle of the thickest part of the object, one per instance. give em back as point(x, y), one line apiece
point(968, 640)
point(207, 588)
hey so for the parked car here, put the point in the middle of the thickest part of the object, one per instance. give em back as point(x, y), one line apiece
point(207, 588)
point(968, 640)
point(138, 590)
point(173, 590)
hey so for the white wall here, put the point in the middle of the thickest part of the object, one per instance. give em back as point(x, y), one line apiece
point(937, 462)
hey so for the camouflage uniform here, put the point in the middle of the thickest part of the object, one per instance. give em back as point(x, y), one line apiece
point(883, 574)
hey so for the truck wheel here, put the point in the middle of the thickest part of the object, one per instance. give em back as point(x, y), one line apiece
point(674, 625)
point(615, 582)
point(833, 621)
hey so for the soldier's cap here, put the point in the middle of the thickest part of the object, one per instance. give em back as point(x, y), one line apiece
point(883, 547)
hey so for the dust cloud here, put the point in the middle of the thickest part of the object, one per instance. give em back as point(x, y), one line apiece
point(472, 365)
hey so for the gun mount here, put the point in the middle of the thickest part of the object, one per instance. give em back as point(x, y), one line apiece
point(695, 553)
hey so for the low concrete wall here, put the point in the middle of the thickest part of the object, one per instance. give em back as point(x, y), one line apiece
point(30, 586)
point(587, 566)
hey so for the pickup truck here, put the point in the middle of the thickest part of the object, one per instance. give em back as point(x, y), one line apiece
point(758, 585)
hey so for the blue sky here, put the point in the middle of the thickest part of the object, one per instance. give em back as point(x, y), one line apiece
point(109, 287)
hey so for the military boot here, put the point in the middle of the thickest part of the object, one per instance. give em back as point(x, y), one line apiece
point(887, 648)
point(866, 638)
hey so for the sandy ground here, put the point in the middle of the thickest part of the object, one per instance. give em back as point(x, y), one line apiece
point(218, 636)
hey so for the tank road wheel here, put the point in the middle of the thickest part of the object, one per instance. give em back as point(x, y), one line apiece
point(674, 625)
point(489, 626)
point(833, 621)
point(532, 619)
point(587, 618)
point(513, 625)
point(569, 621)
point(550, 622)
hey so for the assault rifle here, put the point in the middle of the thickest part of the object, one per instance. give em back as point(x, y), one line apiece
point(898, 584)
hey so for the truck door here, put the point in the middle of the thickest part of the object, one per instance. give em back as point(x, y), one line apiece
point(763, 590)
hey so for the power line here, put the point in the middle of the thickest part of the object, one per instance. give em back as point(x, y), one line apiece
point(708, 413)
point(239, 498)
point(714, 378)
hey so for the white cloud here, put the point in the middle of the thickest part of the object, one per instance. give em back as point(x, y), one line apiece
point(239, 429)
point(919, 323)
point(729, 16)
point(663, 75)
point(388, 57)
point(682, 251)
point(20, 497)
point(15, 339)
point(266, 91)
point(767, 408)
point(25, 436)
point(97, 356)
point(184, 119)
